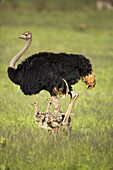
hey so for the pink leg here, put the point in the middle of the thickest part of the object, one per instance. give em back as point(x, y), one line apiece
point(68, 113)
point(56, 104)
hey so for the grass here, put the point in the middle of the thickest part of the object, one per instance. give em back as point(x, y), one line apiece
point(90, 145)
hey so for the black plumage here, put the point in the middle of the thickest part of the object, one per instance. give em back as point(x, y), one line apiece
point(46, 70)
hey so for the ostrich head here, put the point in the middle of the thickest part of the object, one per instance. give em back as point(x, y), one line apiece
point(26, 36)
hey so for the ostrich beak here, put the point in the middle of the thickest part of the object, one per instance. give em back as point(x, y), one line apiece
point(21, 36)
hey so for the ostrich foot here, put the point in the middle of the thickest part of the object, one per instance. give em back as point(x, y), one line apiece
point(68, 113)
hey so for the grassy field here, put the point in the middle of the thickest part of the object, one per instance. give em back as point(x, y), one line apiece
point(90, 145)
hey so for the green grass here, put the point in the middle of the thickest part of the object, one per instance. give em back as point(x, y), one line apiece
point(90, 145)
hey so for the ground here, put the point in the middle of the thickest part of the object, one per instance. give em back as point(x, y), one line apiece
point(90, 146)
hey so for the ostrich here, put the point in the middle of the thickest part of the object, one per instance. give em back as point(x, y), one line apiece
point(53, 72)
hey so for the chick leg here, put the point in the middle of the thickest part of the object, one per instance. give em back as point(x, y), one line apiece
point(74, 96)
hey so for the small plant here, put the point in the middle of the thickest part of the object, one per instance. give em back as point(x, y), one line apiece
point(3, 141)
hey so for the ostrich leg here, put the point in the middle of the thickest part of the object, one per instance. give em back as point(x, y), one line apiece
point(56, 104)
point(74, 96)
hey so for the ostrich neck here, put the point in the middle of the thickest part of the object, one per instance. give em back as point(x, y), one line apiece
point(18, 55)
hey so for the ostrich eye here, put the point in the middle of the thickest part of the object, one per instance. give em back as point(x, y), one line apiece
point(26, 34)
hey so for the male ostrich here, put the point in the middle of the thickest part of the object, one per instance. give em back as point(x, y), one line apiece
point(53, 72)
